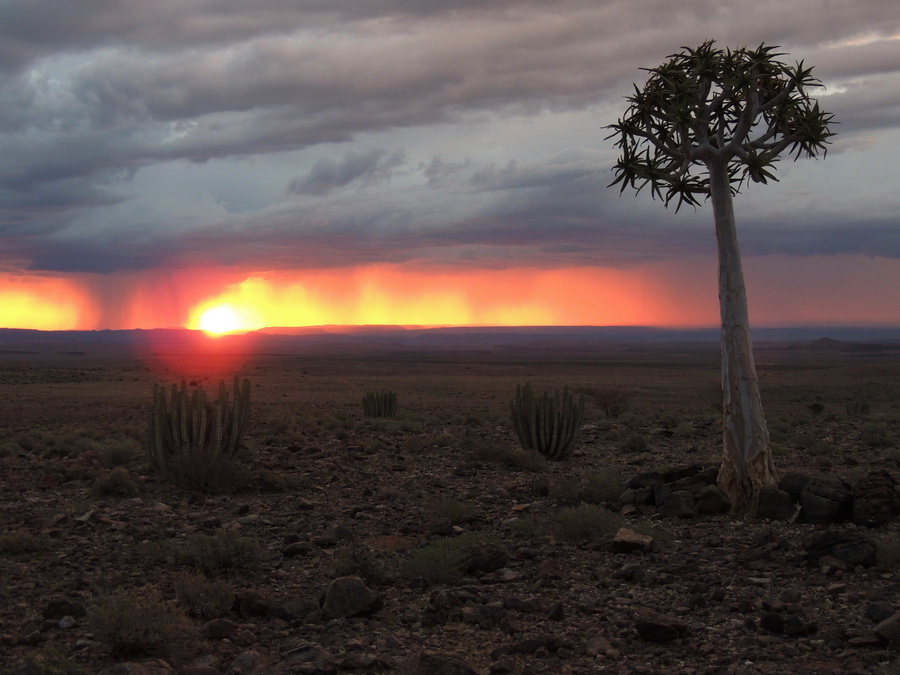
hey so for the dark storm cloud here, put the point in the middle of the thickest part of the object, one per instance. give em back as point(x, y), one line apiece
point(384, 128)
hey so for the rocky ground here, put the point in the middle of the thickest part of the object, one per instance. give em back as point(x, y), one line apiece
point(429, 543)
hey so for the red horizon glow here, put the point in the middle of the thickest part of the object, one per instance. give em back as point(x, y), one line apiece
point(783, 291)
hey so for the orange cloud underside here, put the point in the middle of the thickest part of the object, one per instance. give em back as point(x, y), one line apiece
point(783, 291)
point(389, 295)
point(44, 303)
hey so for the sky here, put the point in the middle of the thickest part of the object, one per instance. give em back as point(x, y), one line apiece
point(234, 164)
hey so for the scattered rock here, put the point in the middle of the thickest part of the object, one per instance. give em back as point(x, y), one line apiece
point(349, 596)
point(627, 540)
point(429, 663)
point(678, 504)
point(889, 631)
point(657, 627)
point(849, 547)
point(875, 499)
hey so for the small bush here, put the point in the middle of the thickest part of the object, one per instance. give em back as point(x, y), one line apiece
point(444, 560)
point(441, 562)
point(587, 522)
point(206, 598)
point(877, 436)
point(119, 452)
point(130, 624)
point(612, 401)
point(446, 507)
point(223, 551)
point(359, 561)
point(116, 483)
point(516, 459)
point(635, 443)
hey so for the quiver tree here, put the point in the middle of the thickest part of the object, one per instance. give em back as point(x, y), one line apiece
point(707, 122)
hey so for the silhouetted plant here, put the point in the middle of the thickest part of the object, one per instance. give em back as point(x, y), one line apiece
point(380, 404)
point(548, 425)
point(613, 400)
point(857, 408)
point(194, 442)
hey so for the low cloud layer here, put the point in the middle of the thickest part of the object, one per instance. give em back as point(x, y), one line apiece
point(289, 135)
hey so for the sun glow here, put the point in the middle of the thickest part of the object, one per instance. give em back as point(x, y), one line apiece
point(219, 319)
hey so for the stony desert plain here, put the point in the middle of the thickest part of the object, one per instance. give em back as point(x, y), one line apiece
point(430, 542)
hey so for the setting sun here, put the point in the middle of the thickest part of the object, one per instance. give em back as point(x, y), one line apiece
point(220, 319)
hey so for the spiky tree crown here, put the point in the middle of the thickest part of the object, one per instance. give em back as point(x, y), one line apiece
point(741, 108)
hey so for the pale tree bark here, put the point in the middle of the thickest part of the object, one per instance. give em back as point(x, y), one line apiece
point(747, 464)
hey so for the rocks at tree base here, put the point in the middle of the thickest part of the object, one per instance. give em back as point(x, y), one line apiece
point(819, 500)
point(826, 500)
point(711, 501)
point(349, 596)
point(849, 547)
point(776, 504)
point(875, 500)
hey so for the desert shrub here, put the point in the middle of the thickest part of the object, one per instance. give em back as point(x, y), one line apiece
point(119, 452)
point(587, 522)
point(223, 551)
point(453, 509)
point(441, 562)
point(8, 448)
point(138, 624)
point(203, 597)
point(18, 543)
point(359, 561)
point(548, 425)
point(47, 661)
point(513, 458)
point(195, 443)
point(524, 528)
point(603, 486)
point(635, 443)
point(857, 408)
point(444, 560)
point(380, 404)
point(612, 400)
point(816, 408)
point(116, 483)
point(877, 435)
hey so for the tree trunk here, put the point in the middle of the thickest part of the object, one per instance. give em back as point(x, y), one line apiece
point(747, 463)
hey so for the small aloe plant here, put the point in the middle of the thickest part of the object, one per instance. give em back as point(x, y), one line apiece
point(547, 424)
point(380, 404)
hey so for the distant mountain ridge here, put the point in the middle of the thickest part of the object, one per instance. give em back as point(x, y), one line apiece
point(839, 339)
